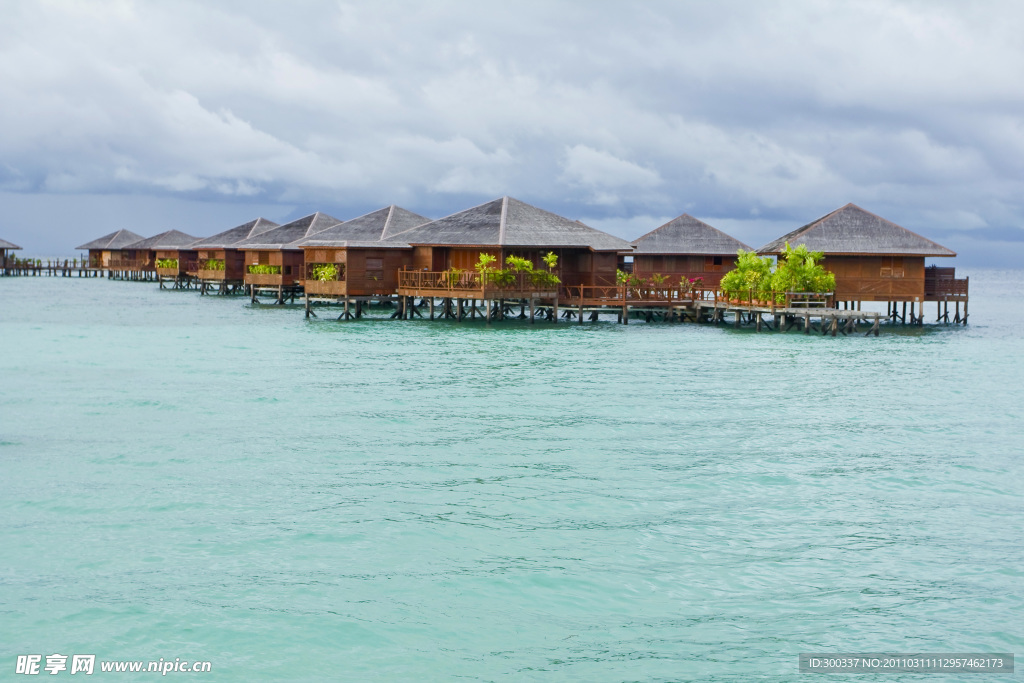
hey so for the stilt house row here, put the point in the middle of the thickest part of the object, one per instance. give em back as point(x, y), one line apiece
point(874, 259)
point(108, 252)
point(274, 258)
point(5, 248)
point(220, 263)
point(451, 246)
point(685, 248)
point(361, 257)
point(171, 248)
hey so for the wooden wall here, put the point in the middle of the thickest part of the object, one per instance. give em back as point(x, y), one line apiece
point(234, 261)
point(375, 271)
point(292, 262)
point(689, 266)
point(877, 278)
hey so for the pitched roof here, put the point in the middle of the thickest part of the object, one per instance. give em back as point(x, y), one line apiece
point(289, 234)
point(9, 246)
point(508, 222)
point(171, 239)
point(852, 230)
point(687, 235)
point(235, 234)
point(115, 240)
point(373, 229)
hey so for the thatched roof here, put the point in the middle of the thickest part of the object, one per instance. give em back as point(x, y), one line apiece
point(290, 234)
point(8, 246)
point(374, 229)
point(171, 239)
point(508, 222)
point(687, 235)
point(852, 230)
point(236, 234)
point(115, 240)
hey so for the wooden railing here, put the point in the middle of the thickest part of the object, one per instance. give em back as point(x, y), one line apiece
point(445, 280)
point(790, 299)
point(130, 264)
point(456, 283)
point(614, 295)
point(936, 288)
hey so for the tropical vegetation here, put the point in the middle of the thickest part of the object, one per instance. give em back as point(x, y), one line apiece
point(325, 272)
point(213, 264)
point(797, 270)
point(167, 263)
point(264, 269)
point(507, 277)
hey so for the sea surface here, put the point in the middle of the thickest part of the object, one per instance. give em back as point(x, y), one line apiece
point(196, 478)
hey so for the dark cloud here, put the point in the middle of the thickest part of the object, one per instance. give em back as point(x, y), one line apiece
point(759, 116)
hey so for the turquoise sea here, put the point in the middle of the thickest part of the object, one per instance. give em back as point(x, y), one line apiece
point(196, 478)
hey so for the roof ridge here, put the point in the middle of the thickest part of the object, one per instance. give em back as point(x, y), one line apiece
point(502, 222)
point(387, 221)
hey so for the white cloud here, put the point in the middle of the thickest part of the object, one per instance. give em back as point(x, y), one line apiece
point(780, 110)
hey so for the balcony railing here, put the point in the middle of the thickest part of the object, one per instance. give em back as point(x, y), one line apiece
point(130, 264)
point(617, 295)
point(945, 288)
point(458, 283)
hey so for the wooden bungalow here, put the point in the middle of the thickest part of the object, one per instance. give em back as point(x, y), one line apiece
point(274, 260)
point(446, 251)
point(874, 259)
point(5, 248)
point(169, 256)
point(360, 258)
point(108, 252)
point(685, 249)
point(220, 264)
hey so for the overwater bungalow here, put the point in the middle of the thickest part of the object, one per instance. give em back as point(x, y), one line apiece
point(360, 258)
point(685, 249)
point(107, 253)
point(274, 260)
point(875, 259)
point(5, 248)
point(168, 255)
point(445, 253)
point(220, 264)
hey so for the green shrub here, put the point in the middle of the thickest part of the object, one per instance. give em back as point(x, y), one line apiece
point(213, 264)
point(263, 269)
point(797, 270)
point(800, 270)
point(167, 263)
point(325, 272)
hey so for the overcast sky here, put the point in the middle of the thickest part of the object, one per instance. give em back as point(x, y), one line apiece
point(755, 116)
